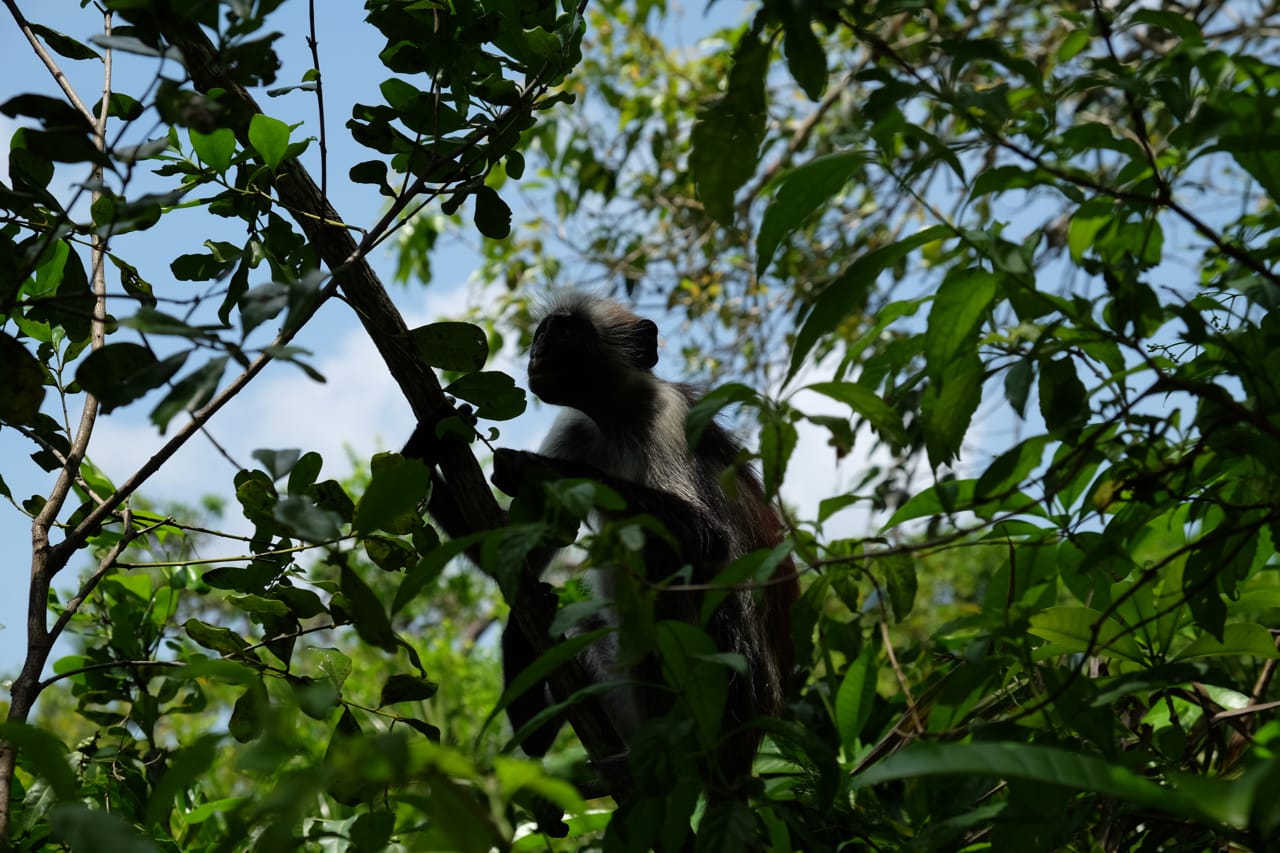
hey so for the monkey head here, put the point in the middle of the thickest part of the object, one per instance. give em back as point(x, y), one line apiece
point(588, 350)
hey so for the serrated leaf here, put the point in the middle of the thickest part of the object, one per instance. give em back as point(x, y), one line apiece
point(728, 133)
point(839, 298)
point(868, 404)
point(800, 192)
point(962, 301)
point(947, 407)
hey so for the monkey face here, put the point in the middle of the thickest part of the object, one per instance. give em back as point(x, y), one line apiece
point(586, 354)
point(565, 360)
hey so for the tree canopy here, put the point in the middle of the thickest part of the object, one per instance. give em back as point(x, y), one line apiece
point(1009, 267)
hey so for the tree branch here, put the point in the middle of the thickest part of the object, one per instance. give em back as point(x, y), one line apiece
point(462, 494)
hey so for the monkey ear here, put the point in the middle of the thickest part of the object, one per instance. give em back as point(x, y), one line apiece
point(647, 336)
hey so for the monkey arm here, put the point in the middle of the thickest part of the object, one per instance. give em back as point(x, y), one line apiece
point(701, 537)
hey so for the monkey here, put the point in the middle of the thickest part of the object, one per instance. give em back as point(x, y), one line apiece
point(624, 427)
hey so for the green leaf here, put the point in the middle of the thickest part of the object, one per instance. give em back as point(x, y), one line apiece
point(184, 767)
point(495, 395)
point(460, 347)
point(703, 413)
point(799, 193)
point(82, 828)
point(120, 373)
point(1248, 639)
point(962, 302)
point(898, 572)
point(1017, 384)
point(21, 382)
point(728, 133)
point(493, 216)
point(406, 688)
point(270, 138)
point(1076, 41)
point(64, 45)
point(215, 148)
point(190, 393)
point(43, 755)
point(1085, 224)
point(856, 696)
point(882, 417)
point(942, 499)
point(396, 488)
point(1085, 630)
point(249, 715)
point(806, 58)
point(224, 641)
point(262, 303)
point(1064, 402)
point(947, 407)
point(308, 521)
point(1052, 766)
point(840, 297)
point(367, 613)
point(1010, 468)
point(778, 438)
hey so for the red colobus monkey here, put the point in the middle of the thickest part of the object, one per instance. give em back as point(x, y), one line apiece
point(624, 427)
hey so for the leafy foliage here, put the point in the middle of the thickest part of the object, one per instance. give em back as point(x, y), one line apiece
point(1015, 267)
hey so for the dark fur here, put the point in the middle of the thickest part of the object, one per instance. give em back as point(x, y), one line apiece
point(626, 428)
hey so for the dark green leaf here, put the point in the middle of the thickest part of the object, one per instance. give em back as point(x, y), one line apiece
point(799, 193)
point(64, 45)
point(406, 688)
point(308, 521)
point(868, 404)
point(494, 395)
point(460, 347)
point(493, 216)
point(1064, 403)
point(43, 755)
point(121, 373)
point(395, 490)
point(947, 407)
point(21, 384)
point(962, 302)
point(367, 614)
point(1057, 767)
point(190, 393)
point(727, 134)
point(841, 296)
point(898, 573)
point(856, 696)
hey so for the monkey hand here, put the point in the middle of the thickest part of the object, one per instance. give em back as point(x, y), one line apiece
point(514, 471)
